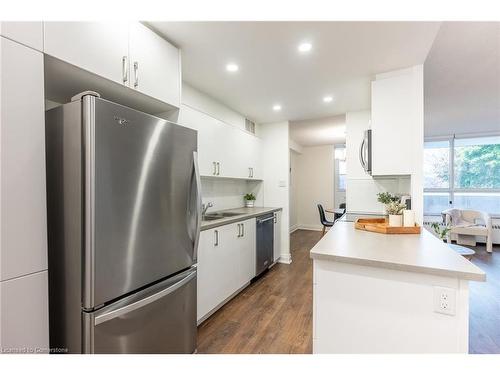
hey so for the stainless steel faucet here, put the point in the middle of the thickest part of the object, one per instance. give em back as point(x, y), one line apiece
point(205, 207)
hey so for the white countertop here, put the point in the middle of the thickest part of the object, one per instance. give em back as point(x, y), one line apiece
point(422, 253)
point(245, 213)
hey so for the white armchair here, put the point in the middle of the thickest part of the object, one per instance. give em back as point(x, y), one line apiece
point(467, 224)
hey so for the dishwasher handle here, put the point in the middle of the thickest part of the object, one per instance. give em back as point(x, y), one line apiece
point(260, 221)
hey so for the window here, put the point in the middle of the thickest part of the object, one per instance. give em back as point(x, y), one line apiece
point(462, 173)
point(340, 165)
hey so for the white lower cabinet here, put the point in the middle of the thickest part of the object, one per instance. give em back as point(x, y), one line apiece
point(277, 236)
point(24, 314)
point(226, 262)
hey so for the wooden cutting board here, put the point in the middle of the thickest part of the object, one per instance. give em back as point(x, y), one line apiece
point(381, 226)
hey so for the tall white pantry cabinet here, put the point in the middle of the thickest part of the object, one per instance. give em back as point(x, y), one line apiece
point(23, 235)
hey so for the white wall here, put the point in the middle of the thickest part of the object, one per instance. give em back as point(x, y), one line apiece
point(276, 157)
point(315, 184)
point(210, 106)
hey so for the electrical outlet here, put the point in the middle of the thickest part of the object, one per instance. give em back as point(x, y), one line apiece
point(445, 300)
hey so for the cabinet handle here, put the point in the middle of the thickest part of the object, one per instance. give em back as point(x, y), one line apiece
point(239, 230)
point(249, 172)
point(215, 168)
point(124, 69)
point(242, 230)
point(252, 172)
point(136, 74)
point(216, 242)
point(218, 168)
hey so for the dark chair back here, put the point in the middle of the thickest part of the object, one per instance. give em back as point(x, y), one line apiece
point(322, 216)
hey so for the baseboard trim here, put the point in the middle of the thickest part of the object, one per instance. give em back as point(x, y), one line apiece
point(294, 228)
point(311, 227)
point(285, 259)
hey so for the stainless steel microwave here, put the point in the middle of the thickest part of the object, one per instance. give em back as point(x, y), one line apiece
point(365, 152)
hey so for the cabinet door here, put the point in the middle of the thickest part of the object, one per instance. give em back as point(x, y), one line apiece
point(27, 33)
point(23, 222)
point(24, 315)
point(210, 137)
point(157, 70)
point(246, 246)
point(392, 113)
point(277, 235)
point(209, 294)
point(98, 47)
point(255, 158)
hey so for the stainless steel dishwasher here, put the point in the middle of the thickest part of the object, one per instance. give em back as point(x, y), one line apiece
point(265, 243)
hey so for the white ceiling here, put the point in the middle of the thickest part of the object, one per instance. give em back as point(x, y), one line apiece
point(324, 131)
point(462, 79)
point(342, 62)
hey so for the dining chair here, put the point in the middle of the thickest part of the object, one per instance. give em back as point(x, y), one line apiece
point(323, 220)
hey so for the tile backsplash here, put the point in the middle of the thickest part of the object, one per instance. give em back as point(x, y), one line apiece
point(226, 193)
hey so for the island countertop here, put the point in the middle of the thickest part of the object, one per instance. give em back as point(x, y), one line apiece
point(422, 253)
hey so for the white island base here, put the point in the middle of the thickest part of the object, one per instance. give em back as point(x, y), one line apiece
point(359, 309)
point(376, 293)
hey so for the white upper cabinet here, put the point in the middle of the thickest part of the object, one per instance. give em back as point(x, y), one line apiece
point(126, 53)
point(28, 33)
point(223, 150)
point(154, 65)
point(397, 117)
point(98, 47)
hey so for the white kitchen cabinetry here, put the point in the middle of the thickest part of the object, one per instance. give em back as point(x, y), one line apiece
point(393, 110)
point(277, 236)
point(98, 47)
point(28, 33)
point(226, 262)
point(154, 65)
point(24, 315)
point(23, 223)
point(126, 53)
point(223, 150)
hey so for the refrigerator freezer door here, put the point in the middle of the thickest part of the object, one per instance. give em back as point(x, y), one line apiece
point(143, 208)
point(157, 320)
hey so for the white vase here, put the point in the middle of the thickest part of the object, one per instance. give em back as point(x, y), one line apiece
point(249, 203)
point(395, 220)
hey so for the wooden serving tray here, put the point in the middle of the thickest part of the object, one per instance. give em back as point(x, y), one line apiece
point(380, 226)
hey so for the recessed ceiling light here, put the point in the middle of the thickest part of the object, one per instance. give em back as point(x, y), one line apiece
point(276, 107)
point(328, 99)
point(304, 47)
point(232, 67)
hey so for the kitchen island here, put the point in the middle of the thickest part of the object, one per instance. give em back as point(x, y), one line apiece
point(377, 293)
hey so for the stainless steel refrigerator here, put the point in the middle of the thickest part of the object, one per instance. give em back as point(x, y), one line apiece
point(123, 194)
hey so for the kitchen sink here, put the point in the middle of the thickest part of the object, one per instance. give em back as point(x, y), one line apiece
point(219, 215)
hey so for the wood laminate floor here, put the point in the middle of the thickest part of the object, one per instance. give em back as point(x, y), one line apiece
point(274, 314)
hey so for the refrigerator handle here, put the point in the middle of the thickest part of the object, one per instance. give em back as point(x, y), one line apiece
point(146, 301)
point(198, 206)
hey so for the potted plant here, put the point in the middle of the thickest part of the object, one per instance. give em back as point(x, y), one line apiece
point(441, 233)
point(249, 200)
point(395, 212)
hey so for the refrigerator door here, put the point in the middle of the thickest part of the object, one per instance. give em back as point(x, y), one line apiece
point(142, 200)
point(158, 320)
